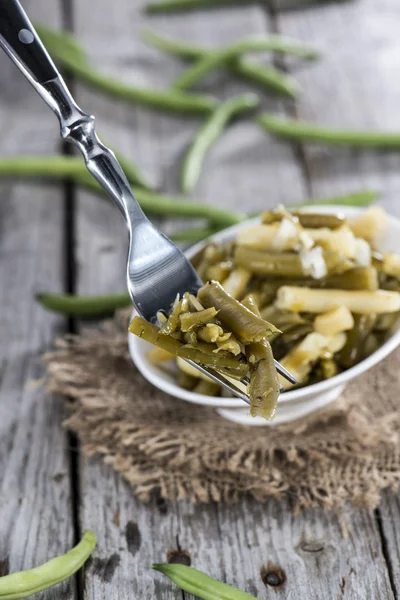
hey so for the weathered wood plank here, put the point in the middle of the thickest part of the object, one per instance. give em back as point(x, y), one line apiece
point(354, 85)
point(35, 499)
point(230, 543)
point(388, 515)
point(314, 555)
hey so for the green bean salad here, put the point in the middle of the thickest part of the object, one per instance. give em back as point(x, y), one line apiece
point(310, 290)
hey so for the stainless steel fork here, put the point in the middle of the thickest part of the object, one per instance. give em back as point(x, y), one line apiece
point(157, 270)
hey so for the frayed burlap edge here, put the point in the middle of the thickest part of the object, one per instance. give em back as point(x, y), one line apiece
point(162, 445)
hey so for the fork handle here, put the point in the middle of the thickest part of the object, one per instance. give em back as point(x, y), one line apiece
point(20, 41)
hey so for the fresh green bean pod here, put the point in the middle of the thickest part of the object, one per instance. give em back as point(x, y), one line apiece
point(83, 306)
point(361, 198)
point(317, 220)
point(283, 264)
point(197, 583)
point(248, 44)
point(264, 386)
point(237, 318)
point(66, 55)
point(189, 321)
point(222, 57)
point(194, 234)
point(208, 134)
point(299, 131)
point(73, 168)
point(353, 350)
point(149, 332)
point(172, 6)
point(267, 77)
point(26, 583)
point(63, 167)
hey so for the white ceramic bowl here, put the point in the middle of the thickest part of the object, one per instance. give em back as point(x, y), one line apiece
point(293, 404)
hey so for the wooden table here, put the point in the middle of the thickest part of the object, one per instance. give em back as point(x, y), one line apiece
point(61, 238)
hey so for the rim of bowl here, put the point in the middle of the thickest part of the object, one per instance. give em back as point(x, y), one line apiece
point(309, 390)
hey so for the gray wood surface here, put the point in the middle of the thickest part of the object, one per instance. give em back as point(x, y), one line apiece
point(36, 519)
point(263, 549)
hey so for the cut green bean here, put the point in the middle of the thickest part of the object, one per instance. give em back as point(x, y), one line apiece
point(222, 57)
point(267, 77)
point(353, 350)
point(201, 585)
point(26, 583)
point(84, 306)
point(300, 131)
point(313, 220)
point(208, 134)
point(172, 101)
point(237, 318)
point(152, 334)
point(284, 264)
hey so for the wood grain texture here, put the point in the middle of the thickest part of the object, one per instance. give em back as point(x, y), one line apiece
point(35, 499)
point(246, 167)
point(354, 85)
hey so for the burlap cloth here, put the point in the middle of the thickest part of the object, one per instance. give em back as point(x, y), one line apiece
point(162, 445)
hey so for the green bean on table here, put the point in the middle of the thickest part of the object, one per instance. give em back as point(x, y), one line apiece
point(84, 306)
point(221, 57)
point(208, 133)
point(201, 585)
point(251, 43)
point(74, 169)
point(171, 6)
point(170, 101)
point(300, 131)
point(266, 76)
point(26, 583)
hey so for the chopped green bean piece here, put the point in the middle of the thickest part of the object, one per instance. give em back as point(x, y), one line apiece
point(314, 220)
point(189, 321)
point(237, 318)
point(353, 350)
point(284, 264)
point(151, 334)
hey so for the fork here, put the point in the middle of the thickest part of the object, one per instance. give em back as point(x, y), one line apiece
point(156, 269)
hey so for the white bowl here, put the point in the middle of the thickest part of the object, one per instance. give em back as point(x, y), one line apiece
point(293, 404)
